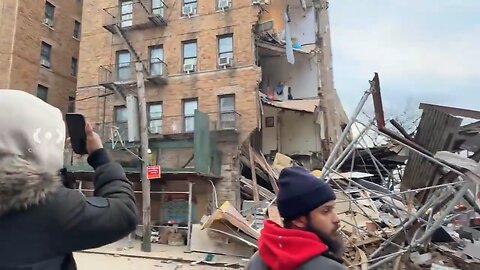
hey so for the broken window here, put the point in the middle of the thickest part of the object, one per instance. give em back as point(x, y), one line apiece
point(227, 112)
point(76, 29)
point(126, 13)
point(42, 92)
point(74, 67)
point(189, 108)
point(123, 66)
point(189, 56)
point(49, 14)
point(155, 118)
point(189, 7)
point(45, 54)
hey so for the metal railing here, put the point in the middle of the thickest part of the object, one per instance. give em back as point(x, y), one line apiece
point(135, 14)
point(120, 73)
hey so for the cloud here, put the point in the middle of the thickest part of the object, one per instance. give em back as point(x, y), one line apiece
point(425, 51)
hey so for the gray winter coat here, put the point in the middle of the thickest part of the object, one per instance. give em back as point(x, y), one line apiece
point(322, 262)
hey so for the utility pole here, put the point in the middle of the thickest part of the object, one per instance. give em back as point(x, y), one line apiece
point(142, 105)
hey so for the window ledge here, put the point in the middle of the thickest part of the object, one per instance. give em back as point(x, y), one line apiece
point(45, 67)
point(77, 39)
point(49, 27)
point(186, 17)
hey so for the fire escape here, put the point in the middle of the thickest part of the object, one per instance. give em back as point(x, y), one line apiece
point(123, 20)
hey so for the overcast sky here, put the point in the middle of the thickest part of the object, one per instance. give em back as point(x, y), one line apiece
point(424, 51)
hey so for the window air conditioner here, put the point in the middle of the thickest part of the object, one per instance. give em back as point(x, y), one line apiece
point(45, 62)
point(48, 22)
point(188, 11)
point(223, 4)
point(225, 62)
point(189, 68)
point(258, 2)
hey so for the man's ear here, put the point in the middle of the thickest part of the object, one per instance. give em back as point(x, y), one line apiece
point(300, 222)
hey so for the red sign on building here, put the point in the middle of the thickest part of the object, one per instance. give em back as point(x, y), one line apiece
point(153, 172)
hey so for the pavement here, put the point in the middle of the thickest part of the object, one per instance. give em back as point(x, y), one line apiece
point(92, 261)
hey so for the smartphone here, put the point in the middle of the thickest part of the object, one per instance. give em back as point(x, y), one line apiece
point(76, 129)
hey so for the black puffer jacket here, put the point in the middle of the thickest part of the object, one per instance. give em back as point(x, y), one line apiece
point(42, 222)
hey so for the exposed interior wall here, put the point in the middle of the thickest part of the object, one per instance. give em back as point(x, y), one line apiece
point(302, 76)
point(302, 25)
point(293, 132)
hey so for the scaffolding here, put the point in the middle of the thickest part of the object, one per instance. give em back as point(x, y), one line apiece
point(416, 225)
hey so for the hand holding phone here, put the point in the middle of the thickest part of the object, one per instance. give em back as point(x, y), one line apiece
point(82, 137)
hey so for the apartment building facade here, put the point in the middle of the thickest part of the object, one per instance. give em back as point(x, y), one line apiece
point(218, 76)
point(39, 48)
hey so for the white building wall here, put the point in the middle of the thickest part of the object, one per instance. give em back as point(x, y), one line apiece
point(294, 132)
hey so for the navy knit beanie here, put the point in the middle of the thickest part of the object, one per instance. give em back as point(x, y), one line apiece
point(300, 192)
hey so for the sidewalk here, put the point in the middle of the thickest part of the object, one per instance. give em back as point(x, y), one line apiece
point(162, 252)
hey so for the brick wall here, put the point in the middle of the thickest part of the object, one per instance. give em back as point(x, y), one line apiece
point(29, 31)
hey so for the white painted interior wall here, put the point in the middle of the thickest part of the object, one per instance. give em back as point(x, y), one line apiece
point(302, 76)
point(297, 132)
point(303, 27)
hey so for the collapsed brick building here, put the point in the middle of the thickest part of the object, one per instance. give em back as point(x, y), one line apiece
point(218, 75)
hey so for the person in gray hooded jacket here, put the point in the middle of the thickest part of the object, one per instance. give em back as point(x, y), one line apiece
point(41, 221)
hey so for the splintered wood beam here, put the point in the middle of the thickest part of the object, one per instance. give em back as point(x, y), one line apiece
point(256, 197)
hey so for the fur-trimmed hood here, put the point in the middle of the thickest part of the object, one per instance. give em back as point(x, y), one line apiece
point(23, 184)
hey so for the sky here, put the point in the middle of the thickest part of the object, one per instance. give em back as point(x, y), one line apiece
point(424, 51)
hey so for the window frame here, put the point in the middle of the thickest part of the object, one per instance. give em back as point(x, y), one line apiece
point(186, 117)
point(151, 119)
point(48, 56)
point(193, 3)
point(123, 66)
point(121, 125)
point(77, 29)
point(47, 14)
point(161, 61)
point(222, 112)
point(220, 53)
point(45, 88)
point(74, 67)
point(184, 59)
point(129, 15)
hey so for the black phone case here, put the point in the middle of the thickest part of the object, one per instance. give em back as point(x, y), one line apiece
point(76, 130)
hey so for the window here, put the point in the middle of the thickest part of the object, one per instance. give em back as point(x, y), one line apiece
point(124, 72)
point(156, 61)
point(76, 29)
point(190, 56)
point(121, 121)
point(74, 67)
point(49, 14)
point(42, 92)
point(189, 107)
point(45, 53)
point(71, 104)
point(227, 112)
point(223, 4)
point(225, 46)
point(155, 118)
point(126, 13)
point(189, 7)
point(158, 8)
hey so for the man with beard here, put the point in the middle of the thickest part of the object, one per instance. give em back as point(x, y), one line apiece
point(309, 239)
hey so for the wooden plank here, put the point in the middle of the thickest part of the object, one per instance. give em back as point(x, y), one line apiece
point(256, 197)
point(263, 192)
point(214, 242)
point(274, 215)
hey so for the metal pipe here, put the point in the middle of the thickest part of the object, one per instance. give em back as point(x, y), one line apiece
point(345, 154)
point(388, 259)
point(190, 191)
point(449, 209)
point(345, 132)
point(434, 160)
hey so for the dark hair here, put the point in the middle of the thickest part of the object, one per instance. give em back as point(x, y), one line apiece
point(287, 223)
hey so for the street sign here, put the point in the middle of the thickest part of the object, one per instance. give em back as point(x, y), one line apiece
point(153, 172)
